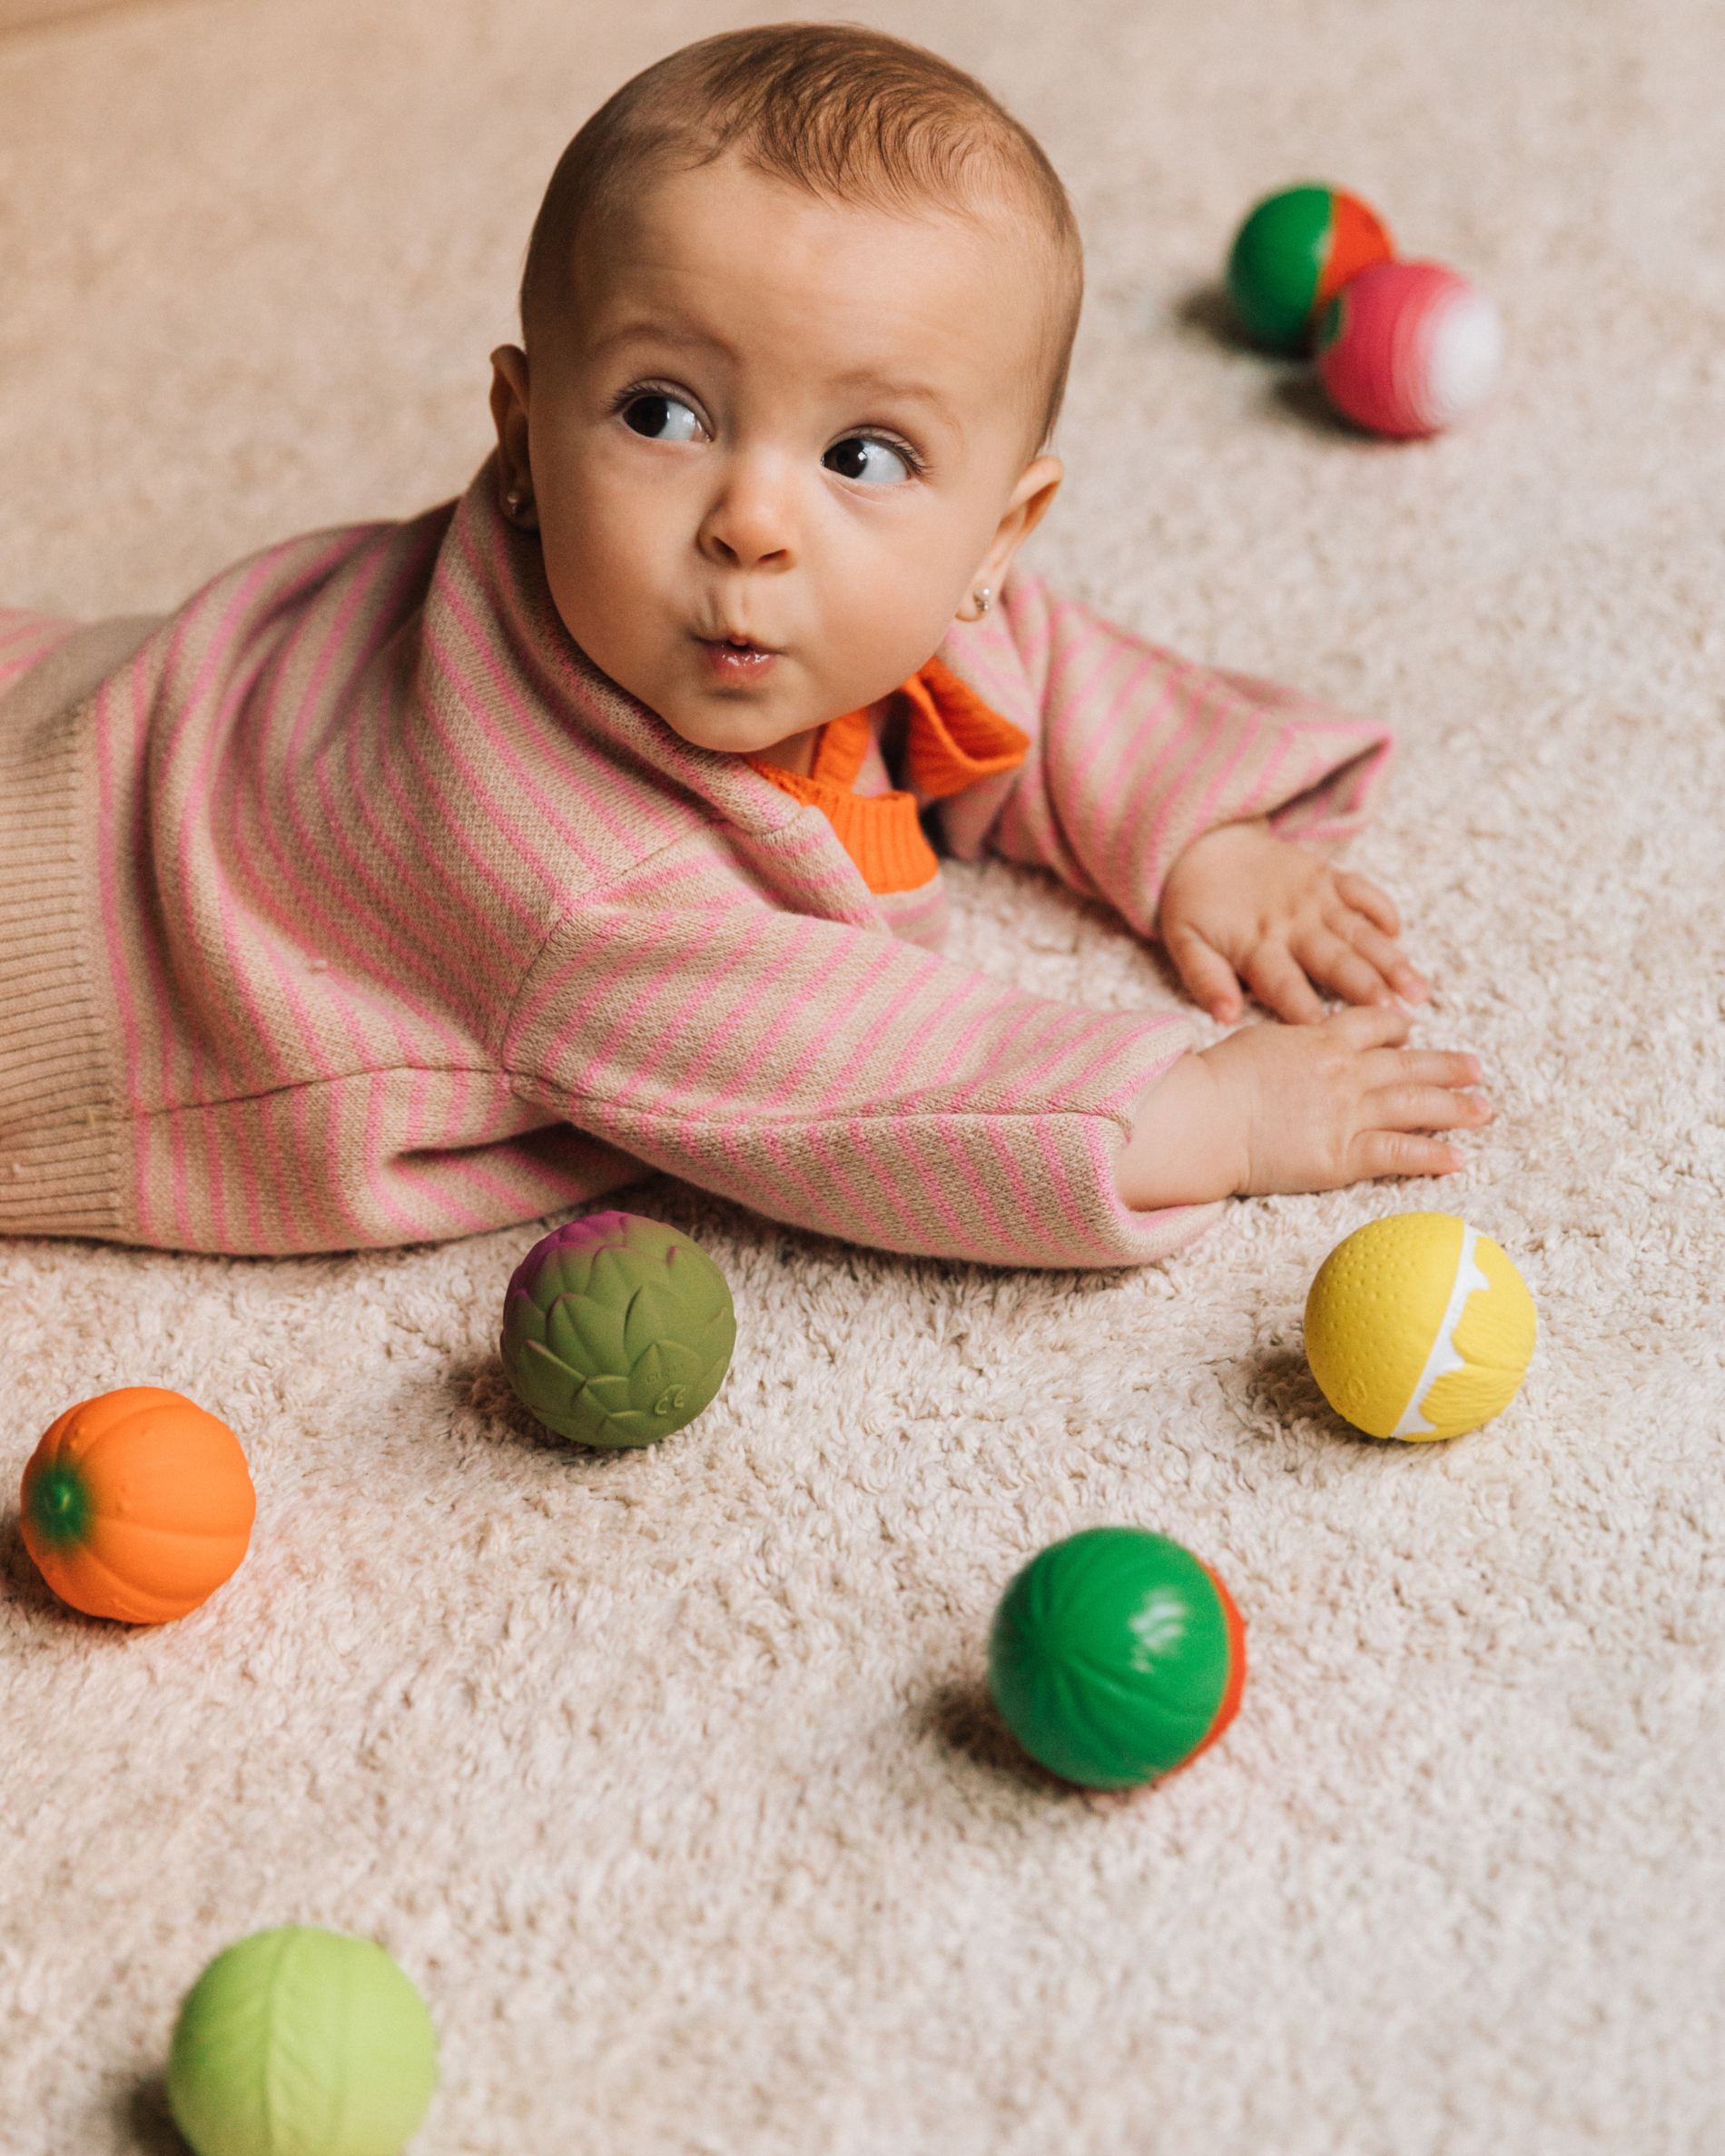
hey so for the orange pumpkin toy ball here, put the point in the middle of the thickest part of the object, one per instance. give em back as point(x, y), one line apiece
point(137, 1505)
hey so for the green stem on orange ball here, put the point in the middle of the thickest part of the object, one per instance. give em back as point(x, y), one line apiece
point(60, 1505)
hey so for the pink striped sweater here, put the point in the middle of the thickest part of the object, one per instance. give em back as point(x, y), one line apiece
point(351, 905)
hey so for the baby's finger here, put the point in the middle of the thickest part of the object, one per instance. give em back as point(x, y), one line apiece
point(1373, 1025)
point(1209, 979)
point(1427, 1067)
point(1367, 899)
point(1278, 983)
point(1400, 1153)
point(1426, 1108)
point(1336, 962)
point(1382, 952)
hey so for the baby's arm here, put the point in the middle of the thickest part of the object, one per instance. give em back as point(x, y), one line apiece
point(1298, 1107)
point(1199, 802)
point(1137, 754)
point(825, 1073)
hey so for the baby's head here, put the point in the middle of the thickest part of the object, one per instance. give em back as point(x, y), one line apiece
point(797, 311)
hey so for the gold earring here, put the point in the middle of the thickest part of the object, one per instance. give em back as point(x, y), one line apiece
point(515, 501)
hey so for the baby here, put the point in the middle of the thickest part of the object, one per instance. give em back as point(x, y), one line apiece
point(416, 879)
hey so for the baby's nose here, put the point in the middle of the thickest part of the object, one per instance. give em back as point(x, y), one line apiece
point(751, 523)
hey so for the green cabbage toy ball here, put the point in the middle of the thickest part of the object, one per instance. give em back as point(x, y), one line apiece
point(302, 2042)
point(1116, 1656)
point(616, 1330)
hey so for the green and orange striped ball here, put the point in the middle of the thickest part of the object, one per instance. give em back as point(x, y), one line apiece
point(1116, 1657)
point(1293, 253)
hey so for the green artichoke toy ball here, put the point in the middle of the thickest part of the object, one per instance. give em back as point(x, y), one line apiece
point(616, 1330)
point(1116, 1656)
point(302, 2042)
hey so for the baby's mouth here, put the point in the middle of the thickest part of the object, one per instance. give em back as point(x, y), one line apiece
point(736, 660)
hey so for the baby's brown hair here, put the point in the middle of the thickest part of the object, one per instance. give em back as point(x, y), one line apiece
point(849, 114)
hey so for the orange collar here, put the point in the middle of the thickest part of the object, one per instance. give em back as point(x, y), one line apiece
point(954, 740)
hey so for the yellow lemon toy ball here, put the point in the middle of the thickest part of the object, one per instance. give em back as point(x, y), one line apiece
point(1418, 1326)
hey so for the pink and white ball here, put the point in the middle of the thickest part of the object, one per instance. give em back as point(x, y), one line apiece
point(1408, 347)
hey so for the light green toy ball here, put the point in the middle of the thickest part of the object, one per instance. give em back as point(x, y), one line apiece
point(302, 2042)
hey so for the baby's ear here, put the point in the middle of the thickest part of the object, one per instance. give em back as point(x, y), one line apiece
point(509, 395)
point(1025, 507)
point(1037, 485)
point(510, 415)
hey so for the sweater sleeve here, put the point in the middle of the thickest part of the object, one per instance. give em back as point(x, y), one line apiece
point(27, 639)
point(835, 1077)
point(1136, 751)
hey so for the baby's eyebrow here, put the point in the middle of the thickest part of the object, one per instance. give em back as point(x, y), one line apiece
point(649, 330)
point(868, 381)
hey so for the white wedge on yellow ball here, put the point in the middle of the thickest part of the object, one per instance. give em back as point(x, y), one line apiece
point(1419, 1327)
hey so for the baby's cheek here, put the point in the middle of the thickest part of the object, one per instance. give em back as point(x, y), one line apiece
point(607, 596)
point(881, 620)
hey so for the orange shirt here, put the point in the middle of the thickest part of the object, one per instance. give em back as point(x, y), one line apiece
point(952, 740)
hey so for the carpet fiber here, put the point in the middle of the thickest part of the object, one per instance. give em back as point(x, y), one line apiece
point(669, 1778)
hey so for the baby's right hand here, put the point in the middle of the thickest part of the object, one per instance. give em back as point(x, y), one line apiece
point(1277, 1107)
point(1342, 1101)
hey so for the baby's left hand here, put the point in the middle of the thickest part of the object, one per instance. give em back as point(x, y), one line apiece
point(1242, 905)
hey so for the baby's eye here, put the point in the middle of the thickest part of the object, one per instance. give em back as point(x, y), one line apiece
point(663, 418)
point(858, 457)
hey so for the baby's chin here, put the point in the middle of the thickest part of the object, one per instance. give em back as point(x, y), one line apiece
point(732, 725)
point(751, 717)
point(736, 731)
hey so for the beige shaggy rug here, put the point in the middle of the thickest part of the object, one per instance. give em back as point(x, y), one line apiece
point(669, 1778)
